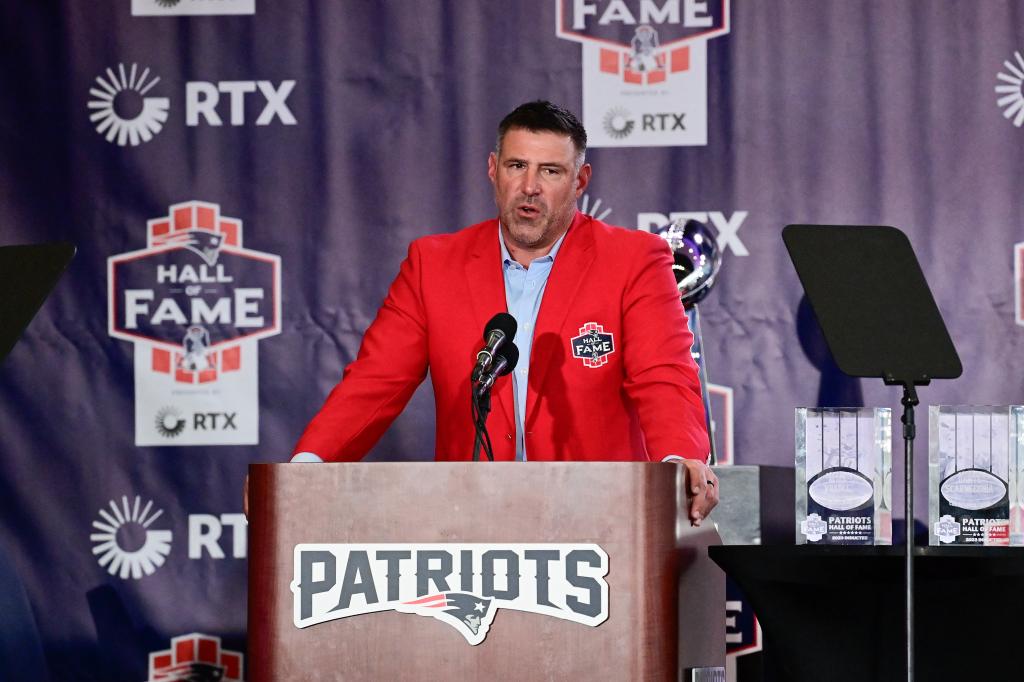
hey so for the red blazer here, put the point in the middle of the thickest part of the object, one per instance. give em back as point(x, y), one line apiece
point(641, 400)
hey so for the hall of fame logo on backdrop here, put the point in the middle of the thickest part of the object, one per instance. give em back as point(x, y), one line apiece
point(644, 67)
point(195, 304)
point(196, 656)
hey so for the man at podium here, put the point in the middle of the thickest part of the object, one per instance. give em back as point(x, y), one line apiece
point(605, 371)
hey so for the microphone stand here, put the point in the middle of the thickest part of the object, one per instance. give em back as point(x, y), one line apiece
point(480, 398)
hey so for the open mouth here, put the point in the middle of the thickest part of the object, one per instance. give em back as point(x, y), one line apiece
point(527, 211)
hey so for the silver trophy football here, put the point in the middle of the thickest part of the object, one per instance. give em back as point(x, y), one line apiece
point(697, 262)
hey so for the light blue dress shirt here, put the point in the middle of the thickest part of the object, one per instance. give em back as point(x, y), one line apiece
point(524, 289)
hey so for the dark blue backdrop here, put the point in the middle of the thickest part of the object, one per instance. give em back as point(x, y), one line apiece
point(349, 128)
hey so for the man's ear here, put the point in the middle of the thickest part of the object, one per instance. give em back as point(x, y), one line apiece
point(583, 179)
point(492, 166)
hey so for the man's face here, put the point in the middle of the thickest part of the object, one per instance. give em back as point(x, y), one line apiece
point(536, 185)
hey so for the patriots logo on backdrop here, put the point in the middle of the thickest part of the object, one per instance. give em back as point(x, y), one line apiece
point(202, 242)
point(469, 614)
point(593, 345)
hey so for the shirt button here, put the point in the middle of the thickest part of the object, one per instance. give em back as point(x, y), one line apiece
point(527, 326)
point(522, 372)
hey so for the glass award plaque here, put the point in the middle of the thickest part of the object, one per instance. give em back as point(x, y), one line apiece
point(844, 476)
point(974, 467)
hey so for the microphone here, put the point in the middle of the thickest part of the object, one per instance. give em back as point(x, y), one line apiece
point(506, 359)
point(500, 330)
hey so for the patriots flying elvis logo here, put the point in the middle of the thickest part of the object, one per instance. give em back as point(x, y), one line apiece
point(200, 241)
point(470, 614)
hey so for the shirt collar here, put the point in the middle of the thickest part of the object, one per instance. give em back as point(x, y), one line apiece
point(506, 257)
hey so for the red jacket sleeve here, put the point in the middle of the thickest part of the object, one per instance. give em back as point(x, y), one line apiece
point(660, 375)
point(376, 386)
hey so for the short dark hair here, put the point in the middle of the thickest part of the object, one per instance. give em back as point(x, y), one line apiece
point(541, 115)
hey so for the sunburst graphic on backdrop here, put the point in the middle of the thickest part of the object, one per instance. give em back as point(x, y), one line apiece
point(169, 423)
point(593, 209)
point(618, 123)
point(130, 563)
point(1012, 100)
point(123, 113)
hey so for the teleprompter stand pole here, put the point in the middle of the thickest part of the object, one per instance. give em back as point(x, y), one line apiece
point(909, 432)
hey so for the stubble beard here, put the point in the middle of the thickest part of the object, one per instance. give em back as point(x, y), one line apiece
point(534, 233)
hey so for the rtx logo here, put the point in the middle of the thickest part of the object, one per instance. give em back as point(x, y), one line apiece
point(202, 99)
point(123, 111)
point(214, 421)
point(170, 422)
point(205, 532)
point(727, 227)
point(662, 122)
point(131, 538)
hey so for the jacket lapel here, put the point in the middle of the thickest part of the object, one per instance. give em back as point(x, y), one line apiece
point(567, 275)
point(486, 283)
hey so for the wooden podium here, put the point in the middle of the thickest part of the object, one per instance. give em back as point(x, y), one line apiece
point(664, 599)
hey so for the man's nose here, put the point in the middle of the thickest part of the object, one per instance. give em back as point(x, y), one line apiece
point(531, 184)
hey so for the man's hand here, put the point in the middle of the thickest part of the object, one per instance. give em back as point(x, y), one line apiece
point(245, 497)
point(702, 489)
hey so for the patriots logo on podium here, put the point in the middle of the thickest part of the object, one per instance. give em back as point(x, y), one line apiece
point(593, 345)
point(469, 614)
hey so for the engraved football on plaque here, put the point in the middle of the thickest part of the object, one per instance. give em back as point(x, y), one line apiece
point(973, 467)
point(844, 476)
